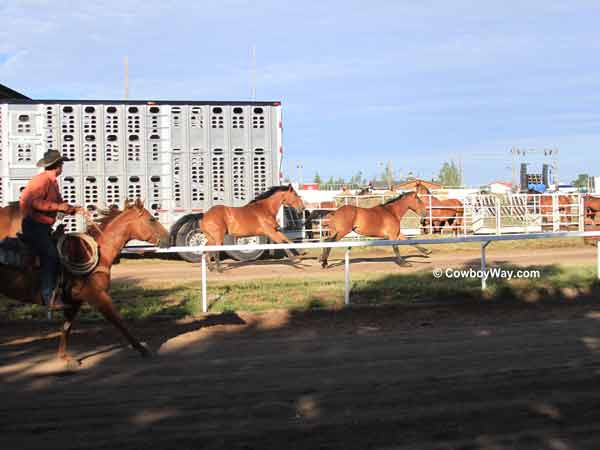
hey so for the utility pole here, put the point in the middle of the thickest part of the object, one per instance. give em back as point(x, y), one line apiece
point(126, 68)
point(253, 70)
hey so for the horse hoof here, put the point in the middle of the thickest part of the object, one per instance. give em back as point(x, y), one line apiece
point(324, 265)
point(144, 351)
point(71, 363)
point(404, 264)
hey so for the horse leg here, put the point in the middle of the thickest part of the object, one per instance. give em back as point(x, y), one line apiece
point(327, 251)
point(400, 260)
point(213, 257)
point(70, 314)
point(423, 250)
point(279, 238)
point(103, 303)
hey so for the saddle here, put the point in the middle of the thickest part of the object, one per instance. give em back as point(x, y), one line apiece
point(15, 252)
point(78, 253)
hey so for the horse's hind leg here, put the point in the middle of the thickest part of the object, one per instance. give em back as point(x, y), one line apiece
point(70, 314)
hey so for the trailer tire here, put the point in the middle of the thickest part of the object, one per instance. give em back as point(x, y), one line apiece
point(189, 234)
point(250, 255)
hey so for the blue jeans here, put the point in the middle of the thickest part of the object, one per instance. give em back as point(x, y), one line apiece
point(37, 235)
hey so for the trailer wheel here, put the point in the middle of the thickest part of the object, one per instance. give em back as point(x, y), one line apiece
point(249, 255)
point(190, 235)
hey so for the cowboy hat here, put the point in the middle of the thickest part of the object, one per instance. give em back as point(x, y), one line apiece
point(50, 158)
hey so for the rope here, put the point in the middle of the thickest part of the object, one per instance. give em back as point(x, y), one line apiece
point(79, 267)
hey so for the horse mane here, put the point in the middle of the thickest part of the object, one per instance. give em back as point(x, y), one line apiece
point(269, 192)
point(395, 199)
point(105, 217)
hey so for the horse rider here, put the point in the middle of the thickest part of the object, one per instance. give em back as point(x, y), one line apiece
point(40, 202)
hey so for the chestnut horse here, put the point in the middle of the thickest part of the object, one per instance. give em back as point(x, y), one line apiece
point(591, 205)
point(257, 218)
point(381, 221)
point(449, 211)
point(114, 231)
point(10, 220)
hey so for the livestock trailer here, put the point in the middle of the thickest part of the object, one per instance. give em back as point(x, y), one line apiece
point(180, 157)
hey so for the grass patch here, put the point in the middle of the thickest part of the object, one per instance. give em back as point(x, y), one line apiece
point(556, 283)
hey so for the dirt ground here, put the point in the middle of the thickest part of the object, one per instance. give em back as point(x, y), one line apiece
point(490, 376)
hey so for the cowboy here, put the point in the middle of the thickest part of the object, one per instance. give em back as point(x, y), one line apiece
point(40, 202)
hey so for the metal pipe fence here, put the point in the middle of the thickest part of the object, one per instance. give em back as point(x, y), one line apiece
point(484, 240)
point(479, 214)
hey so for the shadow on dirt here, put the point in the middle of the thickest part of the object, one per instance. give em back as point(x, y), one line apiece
point(415, 361)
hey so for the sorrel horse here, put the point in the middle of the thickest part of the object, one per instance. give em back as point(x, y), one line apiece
point(257, 218)
point(113, 232)
point(378, 221)
point(10, 220)
point(592, 206)
point(449, 211)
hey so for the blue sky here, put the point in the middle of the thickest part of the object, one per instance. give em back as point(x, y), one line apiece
point(414, 83)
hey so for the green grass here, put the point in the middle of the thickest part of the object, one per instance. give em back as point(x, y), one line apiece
point(557, 283)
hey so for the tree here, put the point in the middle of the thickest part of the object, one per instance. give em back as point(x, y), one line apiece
point(581, 181)
point(357, 178)
point(449, 174)
point(317, 179)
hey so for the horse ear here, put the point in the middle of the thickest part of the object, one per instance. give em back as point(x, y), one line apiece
point(139, 203)
point(126, 204)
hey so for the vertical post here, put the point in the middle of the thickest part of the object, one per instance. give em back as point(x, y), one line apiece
point(581, 210)
point(430, 216)
point(498, 216)
point(204, 297)
point(598, 259)
point(483, 265)
point(126, 76)
point(555, 213)
point(347, 276)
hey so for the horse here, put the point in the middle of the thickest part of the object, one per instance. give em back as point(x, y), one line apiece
point(381, 221)
point(449, 211)
point(10, 220)
point(564, 206)
point(257, 218)
point(591, 205)
point(111, 235)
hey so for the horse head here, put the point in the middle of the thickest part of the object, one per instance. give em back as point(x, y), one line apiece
point(291, 198)
point(415, 204)
point(142, 225)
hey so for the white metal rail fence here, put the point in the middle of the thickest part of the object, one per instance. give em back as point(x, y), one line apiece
point(480, 214)
point(484, 240)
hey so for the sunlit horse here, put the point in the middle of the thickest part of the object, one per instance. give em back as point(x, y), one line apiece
point(257, 218)
point(381, 221)
point(115, 230)
point(440, 212)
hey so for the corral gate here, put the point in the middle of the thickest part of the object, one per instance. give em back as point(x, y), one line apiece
point(181, 158)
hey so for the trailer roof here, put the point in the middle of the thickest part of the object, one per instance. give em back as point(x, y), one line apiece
point(7, 93)
point(137, 102)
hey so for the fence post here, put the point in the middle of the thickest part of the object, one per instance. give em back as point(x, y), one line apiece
point(555, 213)
point(483, 266)
point(430, 216)
point(581, 208)
point(347, 276)
point(598, 259)
point(204, 297)
point(498, 216)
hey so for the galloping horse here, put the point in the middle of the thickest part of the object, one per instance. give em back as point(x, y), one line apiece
point(257, 218)
point(450, 210)
point(10, 220)
point(114, 231)
point(378, 221)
